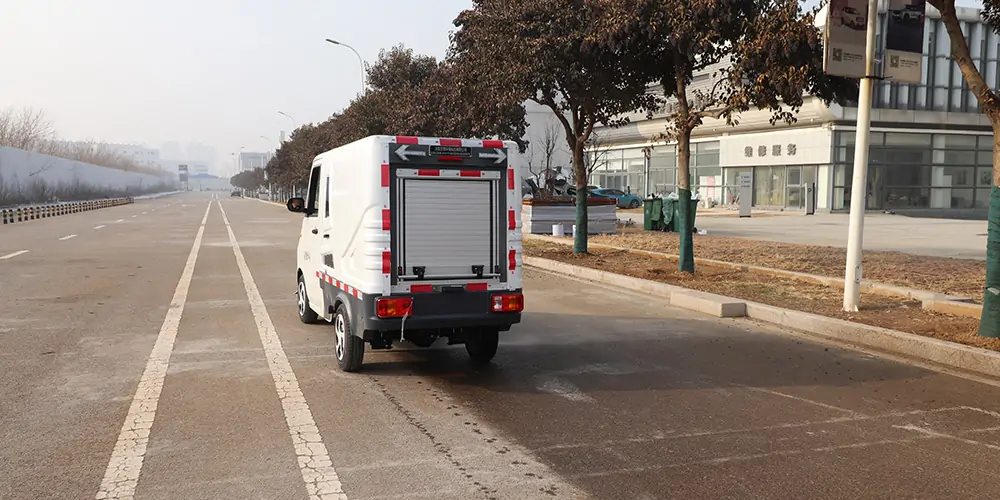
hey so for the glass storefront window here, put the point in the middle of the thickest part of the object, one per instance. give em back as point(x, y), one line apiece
point(906, 139)
point(907, 175)
point(960, 157)
point(907, 197)
point(985, 143)
point(984, 158)
point(952, 176)
point(984, 176)
point(662, 180)
point(955, 141)
point(983, 198)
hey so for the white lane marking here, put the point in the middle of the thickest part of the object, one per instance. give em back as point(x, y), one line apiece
point(64, 238)
point(562, 388)
point(122, 475)
point(12, 255)
point(322, 481)
point(932, 433)
point(134, 216)
point(99, 227)
point(119, 220)
point(144, 213)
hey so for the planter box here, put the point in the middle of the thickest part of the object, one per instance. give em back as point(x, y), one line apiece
point(538, 216)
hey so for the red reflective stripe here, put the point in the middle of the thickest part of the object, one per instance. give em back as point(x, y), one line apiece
point(385, 176)
point(386, 262)
point(511, 220)
point(386, 220)
point(450, 158)
point(471, 173)
point(510, 179)
point(492, 144)
point(512, 259)
point(429, 172)
point(422, 288)
point(451, 142)
point(476, 287)
point(319, 274)
point(401, 139)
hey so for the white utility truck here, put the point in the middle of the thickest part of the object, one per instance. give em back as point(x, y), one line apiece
point(412, 238)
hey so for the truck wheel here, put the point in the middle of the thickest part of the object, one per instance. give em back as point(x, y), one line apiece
point(350, 349)
point(482, 345)
point(306, 314)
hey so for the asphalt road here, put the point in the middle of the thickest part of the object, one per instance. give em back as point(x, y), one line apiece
point(160, 357)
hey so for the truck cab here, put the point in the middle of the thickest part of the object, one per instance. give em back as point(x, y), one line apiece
point(415, 239)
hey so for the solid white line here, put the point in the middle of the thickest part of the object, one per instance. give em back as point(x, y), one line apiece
point(64, 238)
point(12, 255)
point(317, 469)
point(122, 475)
point(99, 227)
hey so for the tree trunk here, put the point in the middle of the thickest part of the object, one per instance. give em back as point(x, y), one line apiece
point(580, 174)
point(685, 219)
point(989, 323)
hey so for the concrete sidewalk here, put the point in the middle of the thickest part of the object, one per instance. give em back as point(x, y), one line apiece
point(963, 239)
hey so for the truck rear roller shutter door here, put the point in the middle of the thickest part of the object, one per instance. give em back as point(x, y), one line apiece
point(448, 227)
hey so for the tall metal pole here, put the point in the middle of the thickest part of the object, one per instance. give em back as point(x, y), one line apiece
point(859, 188)
point(364, 87)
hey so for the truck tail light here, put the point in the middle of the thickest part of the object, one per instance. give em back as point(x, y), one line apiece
point(508, 302)
point(393, 307)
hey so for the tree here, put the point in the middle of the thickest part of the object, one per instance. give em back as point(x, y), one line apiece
point(761, 54)
point(544, 50)
point(409, 94)
point(28, 129)
point(540, 154)
point(989, 100)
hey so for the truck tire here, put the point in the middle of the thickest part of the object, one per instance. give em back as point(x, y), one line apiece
point(350, 349)
point(482, 345)
point(306, 314)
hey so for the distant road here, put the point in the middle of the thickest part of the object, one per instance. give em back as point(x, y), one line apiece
point(152, 351)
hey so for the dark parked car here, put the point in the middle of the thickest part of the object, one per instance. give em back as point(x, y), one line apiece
point(236, 193)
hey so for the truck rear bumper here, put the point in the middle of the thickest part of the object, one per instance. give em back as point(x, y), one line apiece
point(438, 312)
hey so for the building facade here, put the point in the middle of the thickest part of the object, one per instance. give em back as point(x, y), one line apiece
point(250, 161)
point(931, 146)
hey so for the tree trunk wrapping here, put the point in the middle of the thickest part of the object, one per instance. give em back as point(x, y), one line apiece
point(989, 323)
point(685, 226)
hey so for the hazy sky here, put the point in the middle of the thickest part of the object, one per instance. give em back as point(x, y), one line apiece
point(213, 71)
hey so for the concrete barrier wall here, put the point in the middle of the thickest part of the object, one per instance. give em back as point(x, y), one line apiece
point(31, 178)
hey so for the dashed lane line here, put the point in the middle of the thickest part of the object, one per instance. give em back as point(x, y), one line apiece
point(100, 227)
point(12, 255)
point(64, 238)
point(119, 220)
point(122, 474)
point(322, 481)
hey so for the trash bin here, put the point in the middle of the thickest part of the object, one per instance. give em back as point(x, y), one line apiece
point(694, 211)
point(647, 214)
point(653, 215)
point(669, 213)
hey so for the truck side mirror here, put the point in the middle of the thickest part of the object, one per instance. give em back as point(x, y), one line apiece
point(297, 205)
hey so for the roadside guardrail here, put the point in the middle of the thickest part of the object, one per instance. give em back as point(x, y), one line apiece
point(34, 212)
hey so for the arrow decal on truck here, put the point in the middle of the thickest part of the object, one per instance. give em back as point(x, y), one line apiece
point(404, 153)
point(499, 155)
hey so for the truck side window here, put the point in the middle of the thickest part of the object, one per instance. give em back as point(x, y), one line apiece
point(326, 199)
point(311, 205)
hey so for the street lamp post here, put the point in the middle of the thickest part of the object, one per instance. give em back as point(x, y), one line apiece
point(270, 145)
point(364, 87)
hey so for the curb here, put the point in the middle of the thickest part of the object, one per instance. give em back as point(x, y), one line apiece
point(35, 212)
point(931, 301)
point(939, 352)
point(269, 202)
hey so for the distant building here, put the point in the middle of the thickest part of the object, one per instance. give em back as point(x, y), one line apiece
point(250, 161)
point(931, 145)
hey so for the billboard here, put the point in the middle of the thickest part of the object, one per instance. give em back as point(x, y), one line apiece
point(904, 41)
point(182, 172)
point(846, 26)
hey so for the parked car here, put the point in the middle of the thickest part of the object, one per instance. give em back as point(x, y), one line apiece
point(236, 193)
point(571, 190)
point(624, 199)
